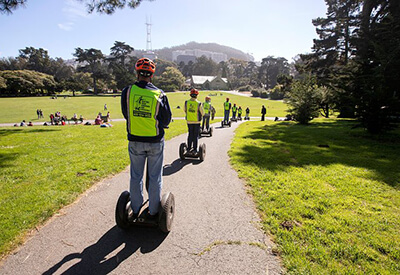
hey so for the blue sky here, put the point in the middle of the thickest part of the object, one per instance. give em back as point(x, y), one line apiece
point(261, 27)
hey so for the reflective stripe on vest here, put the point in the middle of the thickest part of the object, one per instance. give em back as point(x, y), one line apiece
point(143, 108)
point(192, 108)
point(226, 105)
point(234, 109)
point(206, 106)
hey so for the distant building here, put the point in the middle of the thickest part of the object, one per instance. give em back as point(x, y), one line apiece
point(216, 57)
point(209, 82)
point(185, 59)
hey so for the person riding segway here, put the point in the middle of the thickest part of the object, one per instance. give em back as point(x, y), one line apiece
point(194, 112)
point(147, 112)
point(247, 117)
point(239, 113)
point(227, 108)
point(234, 110)
point(206, 118)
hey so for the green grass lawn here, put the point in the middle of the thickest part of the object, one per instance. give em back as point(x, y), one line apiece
point(328, 194)
point(46, 168)
point(17, 109)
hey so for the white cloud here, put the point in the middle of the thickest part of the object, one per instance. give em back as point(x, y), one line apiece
point(73, 12)
point(66, 26)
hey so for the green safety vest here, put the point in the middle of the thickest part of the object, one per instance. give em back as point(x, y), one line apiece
point(226, 105)
point(234, 108)
point(239, 111)
point(207, 107)
point(143, 110)
point(192, 107)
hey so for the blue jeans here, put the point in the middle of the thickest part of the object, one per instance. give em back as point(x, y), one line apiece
point(226, 115)
point(206, 122)
point(138, 153)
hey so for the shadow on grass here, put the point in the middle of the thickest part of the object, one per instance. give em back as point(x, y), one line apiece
point(283, 145)
point(12, 131)
point(7, 160)
point(94, 260)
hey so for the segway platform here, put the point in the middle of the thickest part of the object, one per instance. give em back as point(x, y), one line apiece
point(225, 123)
point(184, 153)
point(246, 118)
point(163, 220)
point(234, 119)
point(208, 132)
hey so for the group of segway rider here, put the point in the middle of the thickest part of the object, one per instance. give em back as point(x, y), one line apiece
point(147, 113)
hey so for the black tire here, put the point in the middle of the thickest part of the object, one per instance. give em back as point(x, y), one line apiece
point(229, 124)
point(182, 149)
point(167, 212)
point(211, 131)
point(121, 211)
point(202, 152)
point(222, 124)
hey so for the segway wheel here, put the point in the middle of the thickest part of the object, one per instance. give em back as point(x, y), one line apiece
point(121, 211)
point(202, 151)
point(229, 123)
point(167, 212)
point(222, 123)
point(211, 131)
point(182, 149)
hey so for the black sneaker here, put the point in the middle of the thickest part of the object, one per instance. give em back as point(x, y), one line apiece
point(132, 216)
point(150, 217)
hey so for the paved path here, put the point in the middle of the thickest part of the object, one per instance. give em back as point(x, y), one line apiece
point(215, 231)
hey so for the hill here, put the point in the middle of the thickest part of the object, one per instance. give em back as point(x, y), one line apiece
point(166, 53)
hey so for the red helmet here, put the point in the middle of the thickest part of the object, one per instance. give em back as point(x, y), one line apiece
point(145, 65)
point(208, 98)
point(194, 92)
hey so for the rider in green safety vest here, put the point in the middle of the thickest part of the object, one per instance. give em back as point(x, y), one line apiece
point(234, 110)
point(194, 112)
point(207, 112)
point(147, 113)
point(227, 108)
point(240, 113)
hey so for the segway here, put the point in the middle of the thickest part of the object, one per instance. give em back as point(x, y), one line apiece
point(165, 216)
point(234, 119)
point(208, 132)
point(246, 117)
point(225, 123)
point(184, 153)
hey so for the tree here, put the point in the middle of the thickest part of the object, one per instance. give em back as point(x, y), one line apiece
point(303, 100)
point(91, 60)
point(120, 51)
point(78, 81)
point(170, 80)
point(377, 78)
point(3, 84)
point(271, 67)
point(205, 66)
point(25, 82)
point(36, 59)
point(101, 6)
point(7, 6)
point(122, 64)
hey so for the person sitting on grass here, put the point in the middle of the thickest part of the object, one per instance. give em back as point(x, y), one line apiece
point(98, 120)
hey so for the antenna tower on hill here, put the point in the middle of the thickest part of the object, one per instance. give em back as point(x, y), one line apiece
point(148, 44)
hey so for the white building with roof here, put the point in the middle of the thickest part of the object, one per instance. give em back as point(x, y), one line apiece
point(209, 82)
